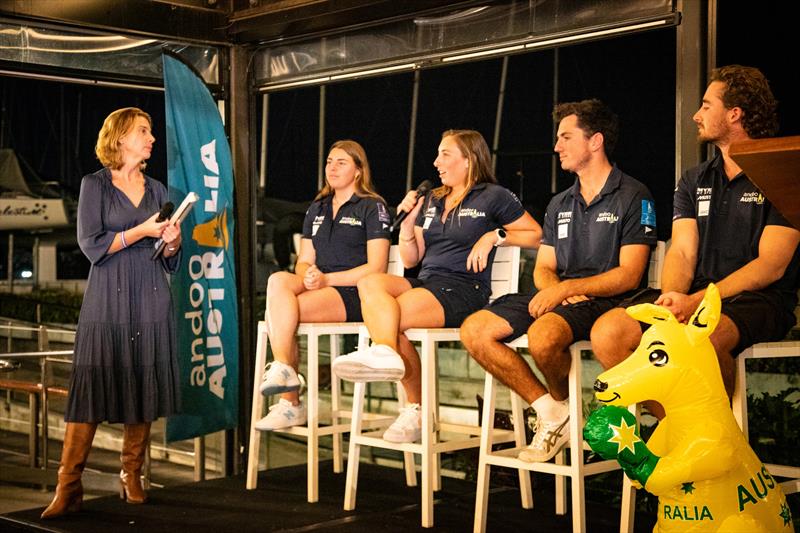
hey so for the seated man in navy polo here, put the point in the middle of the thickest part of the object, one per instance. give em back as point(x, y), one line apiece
point(594, 252)
point(723, 231)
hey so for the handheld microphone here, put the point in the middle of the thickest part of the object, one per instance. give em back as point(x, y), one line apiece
point(422, 190)
point(166, 211)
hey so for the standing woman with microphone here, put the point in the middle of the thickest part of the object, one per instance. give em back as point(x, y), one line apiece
point(125, 368)
point(453, 232)
point(345, 237)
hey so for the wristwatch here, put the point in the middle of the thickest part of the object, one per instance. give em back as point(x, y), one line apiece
point(501, 236)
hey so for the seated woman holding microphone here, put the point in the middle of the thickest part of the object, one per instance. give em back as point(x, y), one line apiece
point(345, 237)
point(453, 231)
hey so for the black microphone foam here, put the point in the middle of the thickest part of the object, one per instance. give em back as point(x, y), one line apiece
point(166, 211)
point(422, 190)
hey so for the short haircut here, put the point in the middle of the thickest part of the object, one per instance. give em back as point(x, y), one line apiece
point(748, 89)
point(593, 117)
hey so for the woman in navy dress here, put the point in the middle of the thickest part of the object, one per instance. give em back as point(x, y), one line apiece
point(453, 232)
point(345, 237)
point(125, 367)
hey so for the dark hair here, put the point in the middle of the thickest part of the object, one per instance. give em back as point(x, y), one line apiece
point(593, 117)
point(473, 146)
point(747, 88)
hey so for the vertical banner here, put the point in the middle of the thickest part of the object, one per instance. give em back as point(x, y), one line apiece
point(204, 289)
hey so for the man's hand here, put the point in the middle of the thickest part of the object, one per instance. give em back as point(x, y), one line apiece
point(682, 306)
point(546, 300)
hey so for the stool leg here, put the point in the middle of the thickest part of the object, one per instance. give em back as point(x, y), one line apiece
point(525, 492)
point(408, 457)
point(576, 443)
point(312, 407)
point(351, 485)
point(484, 468)
point(428, 436)
point(257, 407)
point(338, 463)
point(628, 506)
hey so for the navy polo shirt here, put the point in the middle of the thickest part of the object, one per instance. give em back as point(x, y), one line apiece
point(731, 216)
point(341, 243)
point(486, 207)
point(587, 238)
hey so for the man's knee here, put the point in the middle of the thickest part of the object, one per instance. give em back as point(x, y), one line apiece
point(614, 335)
point(548, 338)
point(481, 329)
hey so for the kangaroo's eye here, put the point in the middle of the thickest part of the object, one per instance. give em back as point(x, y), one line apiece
point(659, 357)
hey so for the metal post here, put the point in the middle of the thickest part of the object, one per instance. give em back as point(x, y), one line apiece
point(554, 158)
point(10, 262)
point(498, 119)
point(262, 166)
point(200, 458)
point(412, 131)
point(689, 83)
point(321, 140)
point(44, 345)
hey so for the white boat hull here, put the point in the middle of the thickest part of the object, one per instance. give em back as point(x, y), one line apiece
point(32, 213)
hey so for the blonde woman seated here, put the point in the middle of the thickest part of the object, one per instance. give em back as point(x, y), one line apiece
point(453, 232)
point(345, 237)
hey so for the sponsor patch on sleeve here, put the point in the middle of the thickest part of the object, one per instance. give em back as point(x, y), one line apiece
point(648, 213)
point(383, 213)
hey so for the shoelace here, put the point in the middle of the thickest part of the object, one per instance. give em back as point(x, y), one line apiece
point(543, 435)
point(408, 415)
point(268, 369)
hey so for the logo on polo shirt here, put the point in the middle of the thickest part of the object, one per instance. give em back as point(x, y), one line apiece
point(471, 213)
point(318, 220)
point(350, 221)
point(752, 197)
point(383, 214)
point(562, 220)
point(607, 216)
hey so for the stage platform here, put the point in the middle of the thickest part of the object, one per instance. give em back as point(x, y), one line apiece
point(385, 505)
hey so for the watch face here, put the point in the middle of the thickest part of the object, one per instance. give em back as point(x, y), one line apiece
point(502, 233)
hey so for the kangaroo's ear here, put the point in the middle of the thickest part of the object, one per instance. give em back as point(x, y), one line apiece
point(706, 317)
point(650, 313)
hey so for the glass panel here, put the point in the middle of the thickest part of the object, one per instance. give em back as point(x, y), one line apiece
point(432, 37)
point(108, 54)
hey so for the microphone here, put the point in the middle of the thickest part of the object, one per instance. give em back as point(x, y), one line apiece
point(166, 211)
point(422, 190)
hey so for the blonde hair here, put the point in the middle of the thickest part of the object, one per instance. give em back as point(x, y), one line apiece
point(115, 126)
point(363, 180)
point(472, 146)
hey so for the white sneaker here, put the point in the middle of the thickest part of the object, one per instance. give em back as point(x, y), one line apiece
point(407, 427)
point(283, 415)
point(549, 438)
point(377, 363)
point(279, 378)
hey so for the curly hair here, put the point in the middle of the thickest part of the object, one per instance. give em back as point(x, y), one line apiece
point(747, 88)
point(593, 117)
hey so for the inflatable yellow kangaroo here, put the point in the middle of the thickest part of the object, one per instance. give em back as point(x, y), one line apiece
point(698, 462)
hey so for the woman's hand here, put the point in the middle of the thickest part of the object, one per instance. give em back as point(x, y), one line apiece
point(411, 205)
point(172, 237)
point(314, 278)
point(478, 258)
point(151, 228)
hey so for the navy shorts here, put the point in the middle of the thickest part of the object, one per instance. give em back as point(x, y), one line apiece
point(458, 297)
point(352, 303)
point(760, 316)
point(580, 317)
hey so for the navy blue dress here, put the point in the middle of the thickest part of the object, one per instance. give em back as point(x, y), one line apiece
point(125, 367)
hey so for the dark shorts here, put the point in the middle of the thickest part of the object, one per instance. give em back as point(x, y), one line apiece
point(458, 297)
point(352, 303)
point(760, 316)
point(579, 316)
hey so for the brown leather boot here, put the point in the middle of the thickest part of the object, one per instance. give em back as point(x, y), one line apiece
point(69, 491)
point(134, 446)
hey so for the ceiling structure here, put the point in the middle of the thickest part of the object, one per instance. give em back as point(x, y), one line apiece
point(221, 22)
